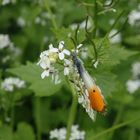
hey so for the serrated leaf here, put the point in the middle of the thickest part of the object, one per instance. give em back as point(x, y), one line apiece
point(111, 55)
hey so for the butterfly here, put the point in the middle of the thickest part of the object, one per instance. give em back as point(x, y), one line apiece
point(95, 96)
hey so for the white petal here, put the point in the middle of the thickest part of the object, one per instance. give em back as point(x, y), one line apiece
point(67, 62)
point(54, 50)
point(79, 46)
point(50, 46)
point(61, 45)
point(45, 74)
point(95, 64)
point(66, 71)
point(67, 52)
point(61, 56)
point(43, 65)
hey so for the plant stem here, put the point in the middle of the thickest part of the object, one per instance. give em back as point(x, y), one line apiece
point(51, 14)
point(37, 117)
point(72, 112)
point(95, 17)
point(117, 119)
point(114, 128)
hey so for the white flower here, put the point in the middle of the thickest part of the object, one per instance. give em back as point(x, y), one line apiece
point(4, 41)
point(4, 2)
point(116, 38)
point(133, 85)
point(76, 134)
point(9, 83)
point(60, 134)
point(67, 66)
point(62, 52)
point(96, 64)
point(136, 69)
point(55, 78)
point(44, 61)
point(21, 22)
point(133, 17)
point(77, 48)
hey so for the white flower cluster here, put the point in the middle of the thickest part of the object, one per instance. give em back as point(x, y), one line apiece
point(5, 2)
point(60, 134)
point(10, 83)
point(49, 57)
point(4, 41)
point(114, 39)
point(134, 16)
point(134, 85)
point(21, 22)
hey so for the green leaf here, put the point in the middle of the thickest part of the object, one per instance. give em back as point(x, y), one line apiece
point(111, 55)
point(31, 73)
point(45, 87)
point(5, 133)
point(24, 132)
point(133, 40)
point(106, 81)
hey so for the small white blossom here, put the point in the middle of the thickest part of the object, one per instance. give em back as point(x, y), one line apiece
point(62, 52)
point(133, 85)
point(96, 64)
point(136, 69)
point(116, 38)
point(56, 79)
point(21, 22)
point(44, 61)
point(60, 134)
point(133, 17)
point(67, 66)
point(4, 41)
point(4, 2)
point(78, 48)
point(9, 83)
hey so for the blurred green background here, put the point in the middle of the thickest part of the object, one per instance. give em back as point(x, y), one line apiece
point(32, 112)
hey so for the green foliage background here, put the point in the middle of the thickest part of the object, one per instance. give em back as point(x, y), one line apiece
point(43, 106)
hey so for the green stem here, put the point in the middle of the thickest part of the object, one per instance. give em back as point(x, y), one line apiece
point(114, 128)
point(117, 119)
point(95, 18)
point(51, 14)
point(12, 112)
point(72, 112)
point(37, 117)
point(12, 117)
point(132, 134)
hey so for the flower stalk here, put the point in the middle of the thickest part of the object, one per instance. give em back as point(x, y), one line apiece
point(72, 112)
